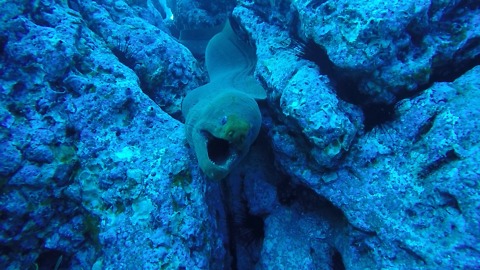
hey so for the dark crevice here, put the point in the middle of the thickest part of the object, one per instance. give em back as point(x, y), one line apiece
point(289, 193)
point(246, 231)
point(250, 227)
point(452, 70)
point(457, 9)
point(377, 114)
point(380, 113)
point(411, 252)
point(306, 200)
point(337, 261)
point(286, 192)
point(346, 83)
point(240, 31)
point(424, 128)
point(71, 131)
point(3, 43)
point(416, 29)
point(449, 200)
point(449, 156)
point(122, 50)
point(310, 50)
point(347, 86)
point(52, 259)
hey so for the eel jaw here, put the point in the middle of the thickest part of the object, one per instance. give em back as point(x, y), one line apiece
point(221, 152)
point(219, 156)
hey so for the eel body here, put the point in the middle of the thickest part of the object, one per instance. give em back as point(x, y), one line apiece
point(222, 117)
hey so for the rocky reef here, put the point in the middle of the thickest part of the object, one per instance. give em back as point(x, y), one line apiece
point(368, 155)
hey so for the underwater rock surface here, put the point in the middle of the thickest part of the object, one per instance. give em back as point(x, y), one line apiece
point(368, 156)
point(94, 173)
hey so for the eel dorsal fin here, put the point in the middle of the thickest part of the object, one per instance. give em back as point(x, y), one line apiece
point(231, 62)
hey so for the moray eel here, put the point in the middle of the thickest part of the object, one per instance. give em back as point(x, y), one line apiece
point(222, 118)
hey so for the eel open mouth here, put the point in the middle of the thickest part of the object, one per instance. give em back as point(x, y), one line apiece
point(220, 151)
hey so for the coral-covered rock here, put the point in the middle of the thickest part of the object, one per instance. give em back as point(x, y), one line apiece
point(93, 172)
point(393, 47)
point(367, 155)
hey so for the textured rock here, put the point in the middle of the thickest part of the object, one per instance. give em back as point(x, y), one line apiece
point(308, 121)
point(393, 47)
point(166, 70)
point(93, 172)
point(407, 186)
point(414, 182)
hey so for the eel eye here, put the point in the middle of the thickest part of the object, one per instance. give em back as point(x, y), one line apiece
point(224, 120)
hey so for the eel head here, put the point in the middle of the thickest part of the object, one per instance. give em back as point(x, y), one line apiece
point(222, 131)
